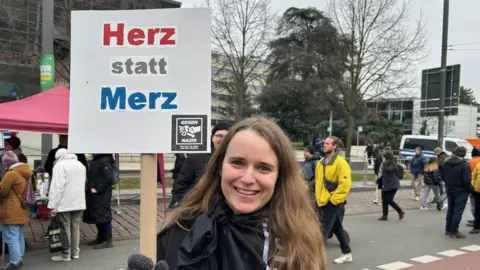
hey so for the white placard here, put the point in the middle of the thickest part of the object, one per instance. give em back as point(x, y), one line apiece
point(140, 81)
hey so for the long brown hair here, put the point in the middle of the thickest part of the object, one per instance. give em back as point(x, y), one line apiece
point(432, 165)
point(291, 216)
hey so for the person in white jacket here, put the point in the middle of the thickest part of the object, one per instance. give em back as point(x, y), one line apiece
point(66, 199)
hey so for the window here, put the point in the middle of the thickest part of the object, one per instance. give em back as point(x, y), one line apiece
point(425, 144)
point(408, 105)
point(450, 146)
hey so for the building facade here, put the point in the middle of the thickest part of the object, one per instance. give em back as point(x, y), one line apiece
point(407, 112)
point(398, 110)
point(223, 102)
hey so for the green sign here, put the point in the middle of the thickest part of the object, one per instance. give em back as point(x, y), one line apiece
point(47, 72)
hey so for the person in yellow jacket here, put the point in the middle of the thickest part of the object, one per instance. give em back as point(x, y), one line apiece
point(333, 181)
point(476, 196)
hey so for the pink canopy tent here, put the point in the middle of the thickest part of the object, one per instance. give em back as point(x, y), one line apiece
point(46, 112)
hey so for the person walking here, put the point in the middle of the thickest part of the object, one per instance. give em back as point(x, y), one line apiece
point(66, 199)
point(417, 169)
point(390, 182)
point(333, 181)
point(13, 216)
point(100, 175)
point(432, 179)
point(457, 176)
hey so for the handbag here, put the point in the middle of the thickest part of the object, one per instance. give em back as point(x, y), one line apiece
point(329, 185)
point(54, 236)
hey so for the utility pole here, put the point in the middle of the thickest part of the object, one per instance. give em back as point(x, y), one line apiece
point(443, 72)
point(47, 67)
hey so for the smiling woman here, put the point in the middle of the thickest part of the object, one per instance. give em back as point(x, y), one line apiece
point(250, 210)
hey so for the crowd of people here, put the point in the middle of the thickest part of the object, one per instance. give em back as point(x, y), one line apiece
point(246, 205)
point(71, 177)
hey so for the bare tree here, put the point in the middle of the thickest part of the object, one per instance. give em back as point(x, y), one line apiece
point(383, 50)
point(240, 33)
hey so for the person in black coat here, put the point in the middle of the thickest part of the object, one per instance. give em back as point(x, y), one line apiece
point(194, 165)
point(62, 143)
point(456, 174)
point(100, 178)
point(390, 182)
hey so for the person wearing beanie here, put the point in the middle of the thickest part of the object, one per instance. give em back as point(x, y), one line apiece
point(457, 176)
point(194, 165)
point(13, 144)
point(13, 216)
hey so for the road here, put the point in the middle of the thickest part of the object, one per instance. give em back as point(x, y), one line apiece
point(390, 245)
point(393, 244)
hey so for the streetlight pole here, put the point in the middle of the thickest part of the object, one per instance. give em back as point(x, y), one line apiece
point(47, 66)
point(443, 72)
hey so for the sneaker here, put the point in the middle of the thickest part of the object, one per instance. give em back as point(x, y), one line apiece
point(60, 258)
point(417, 198)
point(474, 231)
point(470, 221)
point(423, 208)
point(401, 215)
point(432, 203)
point(77, 256)
point(345, 258)
point(440, 206)
point(458, 235)
point(11, 266)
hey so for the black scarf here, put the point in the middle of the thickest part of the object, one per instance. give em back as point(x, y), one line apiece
point(221, 240)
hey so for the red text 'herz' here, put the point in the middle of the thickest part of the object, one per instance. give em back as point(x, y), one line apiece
point(117, 35)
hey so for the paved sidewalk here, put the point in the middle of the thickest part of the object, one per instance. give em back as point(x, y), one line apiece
point(125, 226)
point(126, 223)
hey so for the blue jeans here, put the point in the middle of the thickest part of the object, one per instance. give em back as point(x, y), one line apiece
point(456, 206)
point(441, 188)
point(15, 240)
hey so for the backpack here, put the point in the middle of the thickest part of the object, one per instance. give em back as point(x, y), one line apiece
point(400, 171)
point(28, 196)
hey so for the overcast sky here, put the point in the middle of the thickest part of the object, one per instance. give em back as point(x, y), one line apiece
point(464, 16)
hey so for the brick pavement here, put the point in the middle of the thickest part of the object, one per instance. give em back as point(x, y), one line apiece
point(126, 224)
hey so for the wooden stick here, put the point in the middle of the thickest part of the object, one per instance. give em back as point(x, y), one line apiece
point(148, 205)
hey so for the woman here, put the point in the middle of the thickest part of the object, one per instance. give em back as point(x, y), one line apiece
point(250, 210)
point(100, 177)
point(390, 182)
point(432, 179)
point(13, 216)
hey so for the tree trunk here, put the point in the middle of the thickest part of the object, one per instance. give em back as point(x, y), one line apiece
point(348, 143)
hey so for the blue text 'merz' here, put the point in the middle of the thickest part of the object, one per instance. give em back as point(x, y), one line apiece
point(115, 100)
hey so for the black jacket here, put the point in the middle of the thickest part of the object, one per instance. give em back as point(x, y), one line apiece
point(390, 179)
point(51, 159)
point(99, 177)
point(216, 241)
point(192, 169)
point(457, 176)
point(432, 178)
point(179, 160)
